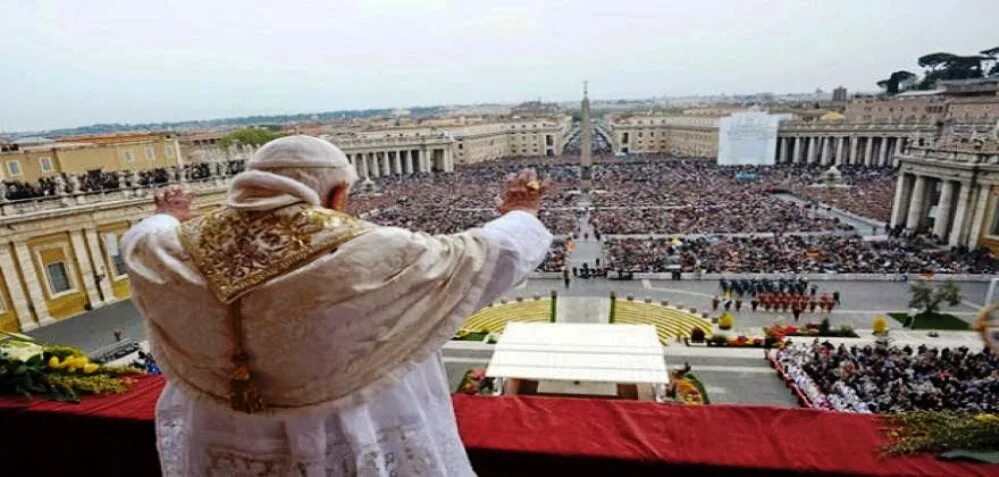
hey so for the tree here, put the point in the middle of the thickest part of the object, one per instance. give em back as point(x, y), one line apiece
point(948, 66)
point(928, 298)
point(249, 136)
point(993, 56)
point(898, 81)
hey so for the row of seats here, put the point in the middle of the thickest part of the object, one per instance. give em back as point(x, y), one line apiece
point(493, 318)
point(670, 323)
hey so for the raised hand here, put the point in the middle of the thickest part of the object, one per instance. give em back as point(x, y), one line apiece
point(523, 191)
point(175, 200)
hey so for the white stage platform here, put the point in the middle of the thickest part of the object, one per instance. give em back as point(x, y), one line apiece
point(597, 353)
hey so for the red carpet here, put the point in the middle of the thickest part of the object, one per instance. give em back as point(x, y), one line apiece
point(509, 436)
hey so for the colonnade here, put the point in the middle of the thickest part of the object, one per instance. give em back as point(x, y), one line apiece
point(826, 150)
point(952, 209)
point(379, 163)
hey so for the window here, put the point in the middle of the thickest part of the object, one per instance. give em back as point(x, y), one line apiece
point(114, 253)
point(13, 168)
point(128, 157)
point(45, 162)
point(58, 279)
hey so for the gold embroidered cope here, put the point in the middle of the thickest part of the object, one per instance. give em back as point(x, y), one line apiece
point(238, 250)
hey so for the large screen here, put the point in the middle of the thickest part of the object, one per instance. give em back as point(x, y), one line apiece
point(748, 138)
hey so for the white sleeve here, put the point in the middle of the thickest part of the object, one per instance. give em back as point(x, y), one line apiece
point(523, 242)
point(151, 224)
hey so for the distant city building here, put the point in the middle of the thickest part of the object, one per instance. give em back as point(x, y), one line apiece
point(839, 95)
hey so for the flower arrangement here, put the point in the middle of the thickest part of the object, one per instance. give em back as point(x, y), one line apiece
point(928, 431)
point(726, 321)
point(880, 325)
point(55, 372)
point(475, 382)
point(740, 341)
point(811, 329)
point(465, 334)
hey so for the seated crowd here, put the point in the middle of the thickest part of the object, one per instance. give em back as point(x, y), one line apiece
point(881, 379)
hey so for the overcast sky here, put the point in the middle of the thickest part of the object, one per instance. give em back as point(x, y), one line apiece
point(76, 62)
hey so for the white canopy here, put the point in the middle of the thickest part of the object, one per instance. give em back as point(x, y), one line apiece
point(579, 352)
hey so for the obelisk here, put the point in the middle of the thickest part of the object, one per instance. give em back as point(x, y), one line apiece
point(585, 137)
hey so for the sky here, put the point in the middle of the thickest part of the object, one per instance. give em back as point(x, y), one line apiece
point(77, 62)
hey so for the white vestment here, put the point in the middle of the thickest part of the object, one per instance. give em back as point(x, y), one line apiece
point(404, 426)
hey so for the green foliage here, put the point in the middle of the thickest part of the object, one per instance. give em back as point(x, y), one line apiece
point(942, 66)
point(929, 299)
point(935, 321)
point(898, 81)
point(824, 327)
point(249, 136)
point(925, 431)
point(718, 339)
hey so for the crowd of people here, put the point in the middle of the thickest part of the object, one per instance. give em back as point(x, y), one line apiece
point(791, 254)
point(99, 180)
point(739, 213)
point(888, 379)
point(868, 192)
point(654, 181)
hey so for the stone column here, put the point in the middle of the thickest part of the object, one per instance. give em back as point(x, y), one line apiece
point(854, 150)
point(883, 154)
point(903, 190)
point(362, 166)
point(782, 150)
point(407, 162)
point(94, 245)
point(840, 160)
point(896, 151)
point(32, 283)
point(19, 302)
point(373, 170)
point(386, 163)
point(942, 219)
point(960, 214)
point(916, 204)
point(868, 148)
point(796, 150)
point(825, 148)
point(978, 216)
point(448, 160)
point(396, 163)
point(86, 268)
point(810, 150)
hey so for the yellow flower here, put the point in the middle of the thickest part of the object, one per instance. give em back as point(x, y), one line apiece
point(55, 364)
point(89, 368)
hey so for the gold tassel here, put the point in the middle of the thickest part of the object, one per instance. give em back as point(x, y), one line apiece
point(244, 392)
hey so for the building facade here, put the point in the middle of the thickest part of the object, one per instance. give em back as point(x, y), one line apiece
point(950, 191)
point(686, 135)
point(79, 155)
point(61, 257)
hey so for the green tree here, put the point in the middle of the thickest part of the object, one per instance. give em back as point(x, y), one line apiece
point(250, 136)
point(928, 298)
point(948, 66)
point(898, 81)
point(993, 56)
